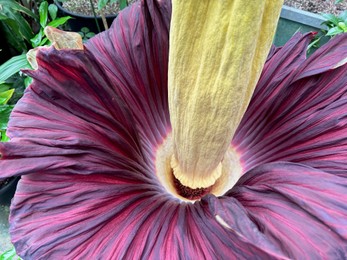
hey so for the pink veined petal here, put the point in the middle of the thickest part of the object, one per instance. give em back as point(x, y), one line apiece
point(298, 110)
point(276, 211)
point(107, 216)
point(299, 209)
point(84, 137)
point(78, 115)
point(70, 119)
point(138, 46)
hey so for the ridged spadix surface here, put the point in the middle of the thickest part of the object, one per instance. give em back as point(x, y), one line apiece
point(213, 70)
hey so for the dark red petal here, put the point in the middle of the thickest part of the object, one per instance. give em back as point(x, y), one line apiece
point(276, 211)
point(118, 216)
point(104, 216)
point(70, 120)
point(298, 110)
point(134, 55)
point(70, 216)
point(300, 210)
point(91, 192)
point(84, 115)
point(326, 58)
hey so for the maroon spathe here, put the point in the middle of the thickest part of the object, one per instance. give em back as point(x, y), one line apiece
point(85, 134)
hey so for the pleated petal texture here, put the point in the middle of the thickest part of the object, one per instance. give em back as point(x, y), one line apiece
point(82, 105)
point(84, 139)
point(82, 116)
point(298, 111)
point(299, 209)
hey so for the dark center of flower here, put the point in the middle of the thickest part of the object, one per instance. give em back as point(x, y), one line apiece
point(189, 193)
point(231, 172)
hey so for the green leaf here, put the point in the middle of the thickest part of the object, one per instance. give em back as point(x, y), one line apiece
point(85, 29)
point(343, 16)
point(12, 66)
point(4, 87)
point(3, 17)
point(331, 18)
point(5, 112)
point(123, 4)
point(45, 41)
point(43, 11)
point(5, 96)
point(14, 38)
point(24, 27)
point(338, 1)
point(4, 138)
point(343, 26)
point(53, 10)
point(20, 25)
point(35, 42)
point(59, 21)
point(10, 254)
point(90, 35)
point(13, 5)
point(334, 31)
point(102, 4)
point(27, 81)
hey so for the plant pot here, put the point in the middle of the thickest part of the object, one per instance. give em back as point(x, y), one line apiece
point(79, 21)
point(7, 190)
point(293, 20)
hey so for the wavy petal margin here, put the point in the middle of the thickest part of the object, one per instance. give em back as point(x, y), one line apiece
point(298, 111)
point(84, 137)
point(276, 211)
point(299, 209)
point(88, 105)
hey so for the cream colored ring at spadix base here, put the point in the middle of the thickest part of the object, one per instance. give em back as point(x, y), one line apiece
point(213, 70)
point(231, 171)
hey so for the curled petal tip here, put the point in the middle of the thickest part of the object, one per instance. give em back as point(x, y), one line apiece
point(341, 63)
point(64, 40)
point(31, 57)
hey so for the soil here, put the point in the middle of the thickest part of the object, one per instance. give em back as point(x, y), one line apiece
point(318, 6)
point(83, 7)
point(315, 6)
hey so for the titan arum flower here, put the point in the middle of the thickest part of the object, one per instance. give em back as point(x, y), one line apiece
point(179, 134)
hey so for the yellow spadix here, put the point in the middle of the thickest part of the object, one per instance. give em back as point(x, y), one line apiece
point(217, 51)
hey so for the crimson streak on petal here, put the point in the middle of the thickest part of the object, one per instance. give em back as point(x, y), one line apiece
point(298, 111)
point(301, 210)
point(85, 134)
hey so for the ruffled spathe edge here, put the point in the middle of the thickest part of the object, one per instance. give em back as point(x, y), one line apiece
point(276, 211)
point(81, 96)
point(91, 191)
point(297, 112)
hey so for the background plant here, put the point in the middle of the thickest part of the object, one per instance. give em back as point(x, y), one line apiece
point(103, 3)
point(96, 8)
point(22, 38)
point(9, 255)
point(18, 24)
point(86, 34)
point(335, 24)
